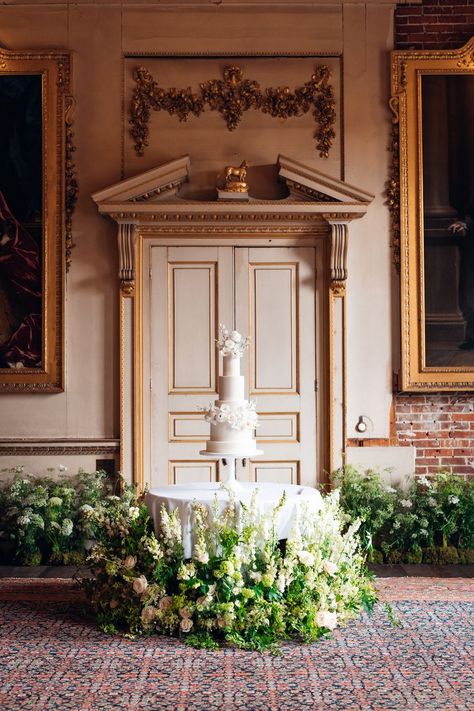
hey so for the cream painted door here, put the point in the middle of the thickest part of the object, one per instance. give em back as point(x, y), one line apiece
point(269, 293)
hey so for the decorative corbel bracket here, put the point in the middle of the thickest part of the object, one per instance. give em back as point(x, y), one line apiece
point(338, 254)
point(126, 236)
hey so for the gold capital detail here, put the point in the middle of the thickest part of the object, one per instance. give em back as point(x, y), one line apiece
point(231, 97)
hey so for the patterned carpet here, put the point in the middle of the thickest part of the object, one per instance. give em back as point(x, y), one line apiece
point(52, 658)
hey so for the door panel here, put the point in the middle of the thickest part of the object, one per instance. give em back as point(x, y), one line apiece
point(275, 304)
point(271, 291)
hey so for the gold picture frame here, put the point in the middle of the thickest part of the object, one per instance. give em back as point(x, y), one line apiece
point(35, 108)
point(432, 201)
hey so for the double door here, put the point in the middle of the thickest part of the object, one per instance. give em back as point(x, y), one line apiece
point(267, 293)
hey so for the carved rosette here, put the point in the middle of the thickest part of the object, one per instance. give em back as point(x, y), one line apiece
point(232, 96)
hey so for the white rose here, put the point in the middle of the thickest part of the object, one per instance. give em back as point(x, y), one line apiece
point(140, 585)
point(186, 624)
point(236, 337)
point(165, 603)
point(306, 558)
point(327, 619)
point(148, 614)
point(329, 567)
point(130, 562)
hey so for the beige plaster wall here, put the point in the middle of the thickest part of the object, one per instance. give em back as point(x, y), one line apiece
point(99, 35)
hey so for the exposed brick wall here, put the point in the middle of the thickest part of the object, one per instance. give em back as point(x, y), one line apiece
point(436, 24)
point(440, 426)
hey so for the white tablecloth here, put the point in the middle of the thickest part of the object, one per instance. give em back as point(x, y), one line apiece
point(182, 498)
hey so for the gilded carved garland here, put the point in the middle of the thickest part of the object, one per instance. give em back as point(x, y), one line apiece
point(71, 188)
point(231, 97)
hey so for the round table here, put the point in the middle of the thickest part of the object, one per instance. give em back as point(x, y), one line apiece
point(269, 494)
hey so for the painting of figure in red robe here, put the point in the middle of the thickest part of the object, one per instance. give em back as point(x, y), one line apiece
point(21, 221)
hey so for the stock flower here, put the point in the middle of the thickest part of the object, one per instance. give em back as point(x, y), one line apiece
point(130, 562)
point(140, 584)
point(329, 567)
point(201, 556)
point(327, 619)
point(133, 512)
point(406, 503)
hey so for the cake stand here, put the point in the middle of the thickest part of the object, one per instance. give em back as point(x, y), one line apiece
point(228, 460)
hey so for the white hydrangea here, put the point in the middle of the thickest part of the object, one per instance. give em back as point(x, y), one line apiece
point(67, 527)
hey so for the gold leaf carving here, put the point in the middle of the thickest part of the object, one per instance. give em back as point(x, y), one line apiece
point(232, 96)
point(71, 179)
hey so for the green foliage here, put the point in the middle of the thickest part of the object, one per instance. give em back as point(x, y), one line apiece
point(46, 520)
point(239, 587)
point(421, 523)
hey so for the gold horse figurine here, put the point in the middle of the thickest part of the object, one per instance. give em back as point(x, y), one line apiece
point(240, 172)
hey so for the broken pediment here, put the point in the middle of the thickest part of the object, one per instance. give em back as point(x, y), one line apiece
point(159, 189)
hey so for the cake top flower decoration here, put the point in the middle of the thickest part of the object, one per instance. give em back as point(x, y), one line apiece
point(231, 343)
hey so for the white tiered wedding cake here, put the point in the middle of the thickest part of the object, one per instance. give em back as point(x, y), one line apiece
point(233, 419)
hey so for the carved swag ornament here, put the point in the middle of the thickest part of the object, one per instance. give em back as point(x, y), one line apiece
point(231, 97)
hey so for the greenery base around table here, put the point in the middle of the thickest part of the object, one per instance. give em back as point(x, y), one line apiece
point(428, 520)
point(242, 585)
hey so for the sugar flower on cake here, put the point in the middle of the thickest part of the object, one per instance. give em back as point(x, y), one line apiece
point(231, 343)
point(243, 417)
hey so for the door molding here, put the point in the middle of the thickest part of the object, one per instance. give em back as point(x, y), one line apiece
point(147, 209)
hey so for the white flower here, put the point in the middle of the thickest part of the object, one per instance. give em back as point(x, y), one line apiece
point(66, 527)
point(424, 481)
point(256, 576)
point(406, 503)
point(453, 499)
point(306, 558)
point(329, 567)
point(140, 584)
point(390, 489)
point(165, 603)
point(85, 508)
point(133, 512)
point(148, 614)
point(431, 501)
point(62, 468)
point(327, 619)
point(186, 571)
point(55, 501)
point(186, 624)
point(201, 556)
point(236, 337)
point(130, 562)
point(396, 523)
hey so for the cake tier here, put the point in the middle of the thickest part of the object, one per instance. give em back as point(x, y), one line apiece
point(231, 387)
point(245, 446)
point(231, 365)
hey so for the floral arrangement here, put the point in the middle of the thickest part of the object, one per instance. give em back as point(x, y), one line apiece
point(231, 342)
point(431, 520)
point(44, 520)
point(243, 417)
point(241, 585)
